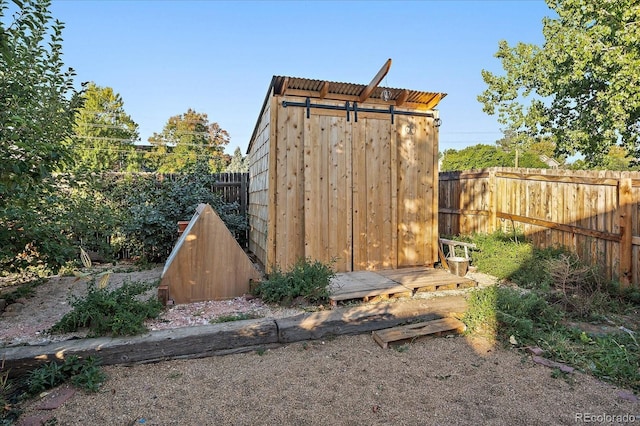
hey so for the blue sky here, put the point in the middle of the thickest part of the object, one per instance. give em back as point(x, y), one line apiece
point(218, 57)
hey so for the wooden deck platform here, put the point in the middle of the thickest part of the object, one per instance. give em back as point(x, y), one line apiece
point(369, 285)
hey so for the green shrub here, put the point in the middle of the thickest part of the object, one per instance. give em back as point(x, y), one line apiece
point(152, 207)
point(307, 279)
point(118, 312)
point(83, 373)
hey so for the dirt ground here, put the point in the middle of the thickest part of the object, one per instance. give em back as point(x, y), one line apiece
point(349, 380)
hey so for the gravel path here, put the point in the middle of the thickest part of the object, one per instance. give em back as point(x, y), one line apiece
point(346, 381)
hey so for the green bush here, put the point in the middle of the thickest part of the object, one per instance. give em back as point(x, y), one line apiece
point(307, 279)
point(118, 312)
point(83, 373)
point(151, 208)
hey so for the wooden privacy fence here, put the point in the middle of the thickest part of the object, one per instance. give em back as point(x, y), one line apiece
point(595, 214)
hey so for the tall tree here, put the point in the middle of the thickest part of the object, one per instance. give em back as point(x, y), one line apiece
point(37, 106)
point(482, 156)
point(37, 102)
point(581, 86)
point(187, 140)
point(238, 163)
point(104, 134)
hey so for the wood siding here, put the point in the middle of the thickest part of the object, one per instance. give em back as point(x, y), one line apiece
point(595, 214)
point(258, 210)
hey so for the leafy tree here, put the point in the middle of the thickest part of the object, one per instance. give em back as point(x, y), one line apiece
point(37, 106)
point(36, 97)
point(616, 159)
point(528, 159)
point(104, 134)
point(238, 163)
point(579, 88)
point(482, 156)
point(186, 140)
point(475, 157)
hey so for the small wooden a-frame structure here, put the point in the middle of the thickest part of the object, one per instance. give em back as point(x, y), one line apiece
point(207, 263)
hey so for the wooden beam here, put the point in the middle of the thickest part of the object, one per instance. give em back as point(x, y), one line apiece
point(402, 98)
point(324, 89)
point(561, 227)
point(285, 84)
point(376, 80)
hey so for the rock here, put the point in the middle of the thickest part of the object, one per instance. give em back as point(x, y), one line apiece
point(14, 308)
point(628, 396)
point(95, 257)
point(3, 305)
point(535, 350)
point(552, 364)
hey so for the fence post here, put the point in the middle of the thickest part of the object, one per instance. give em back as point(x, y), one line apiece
point(244, 192)
point(626, 229)
point(493, 202)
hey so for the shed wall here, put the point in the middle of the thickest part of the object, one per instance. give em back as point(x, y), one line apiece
point(258, 211)
point(361, 193)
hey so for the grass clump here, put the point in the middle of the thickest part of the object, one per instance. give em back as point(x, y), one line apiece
point(24, 291)
point(119, 312)
point(233, 317)
point(307, 279)
point(83, 373)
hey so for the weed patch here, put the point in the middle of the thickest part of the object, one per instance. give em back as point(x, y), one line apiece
point(83, 373)
point(118, 312)
point(535, 321)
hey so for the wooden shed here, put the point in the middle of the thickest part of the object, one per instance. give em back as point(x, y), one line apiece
point(347, 172)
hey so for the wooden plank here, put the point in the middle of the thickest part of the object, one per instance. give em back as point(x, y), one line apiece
point(366, 92)
point(300, 94)
point(562, 227)
point(393, 164)
point(402, 97)
point(583, 180)
point(310, 224)
point(411, 332)
point(324, 90)
point(359, 167)
point(433, 144)
point(272, 185)
point(626, 230)
point(347, 173)
point(373, 247)
point(285, 84)
point(384, 195)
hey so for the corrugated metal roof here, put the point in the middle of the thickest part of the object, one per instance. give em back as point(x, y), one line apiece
point(351, 89)
point(414, 97)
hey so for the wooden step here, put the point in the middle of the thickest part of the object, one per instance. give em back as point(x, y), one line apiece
point(411, 332)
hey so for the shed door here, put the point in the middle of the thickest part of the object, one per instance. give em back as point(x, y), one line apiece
point(369, 191)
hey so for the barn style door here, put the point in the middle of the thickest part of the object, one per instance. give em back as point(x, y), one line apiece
point(368, 191)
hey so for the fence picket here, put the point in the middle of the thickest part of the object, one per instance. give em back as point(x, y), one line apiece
point(531, 199)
